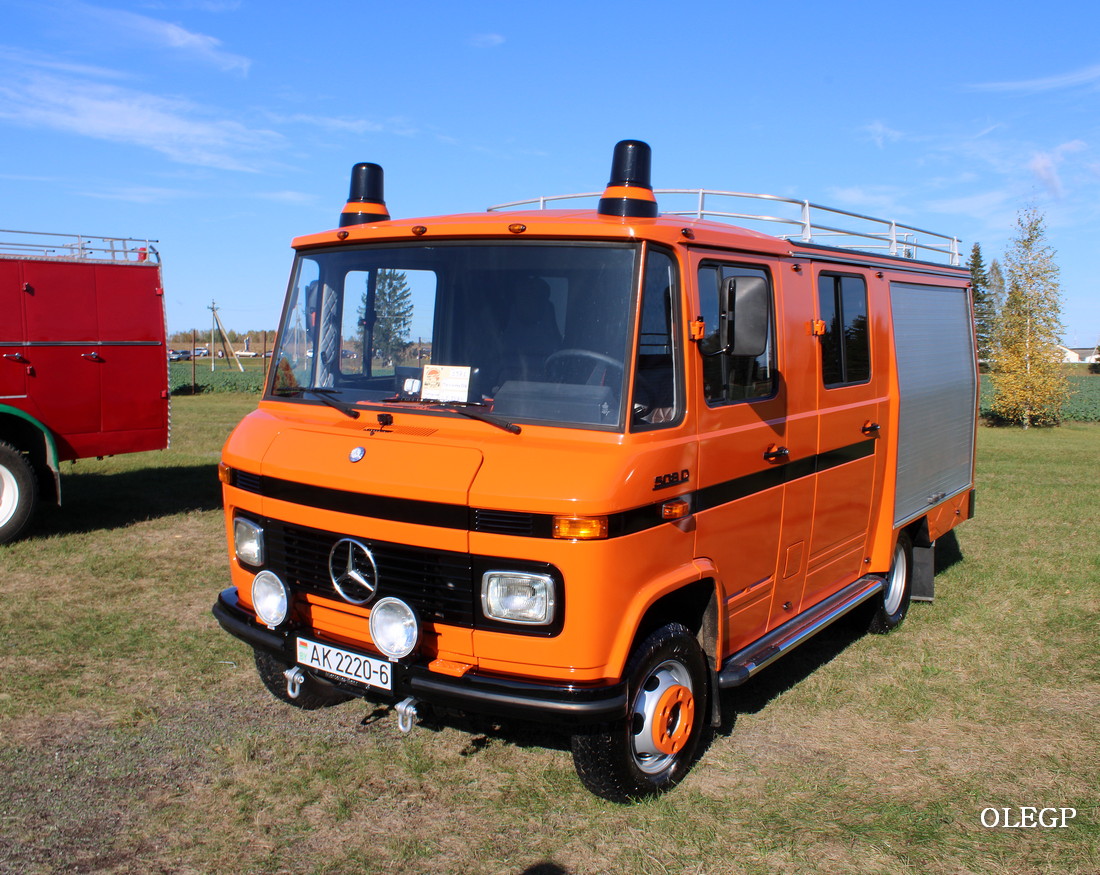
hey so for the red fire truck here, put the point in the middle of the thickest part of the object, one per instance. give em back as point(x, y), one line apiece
point(83, 366)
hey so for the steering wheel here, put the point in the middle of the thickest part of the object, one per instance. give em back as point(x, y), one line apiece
point(598, 357)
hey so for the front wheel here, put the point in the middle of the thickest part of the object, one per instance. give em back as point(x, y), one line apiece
point(891, 610)
point(653, 748)
point(18, 492)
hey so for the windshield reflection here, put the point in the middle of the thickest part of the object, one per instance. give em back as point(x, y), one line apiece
point(523, 331)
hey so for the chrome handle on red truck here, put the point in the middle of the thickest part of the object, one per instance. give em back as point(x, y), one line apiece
point(92, 356)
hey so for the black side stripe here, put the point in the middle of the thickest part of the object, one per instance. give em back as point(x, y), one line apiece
point(710, 497)
point(540, 525)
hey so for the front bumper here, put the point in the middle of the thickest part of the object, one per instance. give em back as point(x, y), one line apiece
point(502, 697)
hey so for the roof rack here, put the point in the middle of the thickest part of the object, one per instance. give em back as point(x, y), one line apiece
point(870, 235)
point(76, 247)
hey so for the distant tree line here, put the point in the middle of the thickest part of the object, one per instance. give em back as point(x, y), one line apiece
point(201, 336)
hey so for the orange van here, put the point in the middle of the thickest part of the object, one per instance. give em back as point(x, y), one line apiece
point(594, 466)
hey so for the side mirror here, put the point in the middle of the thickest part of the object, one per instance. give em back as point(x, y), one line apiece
point(743, 325)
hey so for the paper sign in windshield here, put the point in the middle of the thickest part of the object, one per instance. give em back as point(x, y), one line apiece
point(445, 383)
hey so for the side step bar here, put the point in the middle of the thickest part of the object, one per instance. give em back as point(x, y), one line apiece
point(760, 654)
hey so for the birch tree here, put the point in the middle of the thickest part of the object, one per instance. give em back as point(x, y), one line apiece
point(1029, 385)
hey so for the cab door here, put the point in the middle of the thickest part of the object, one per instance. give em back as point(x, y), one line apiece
point(13, 358)
point(742, 419)
point(851, 399)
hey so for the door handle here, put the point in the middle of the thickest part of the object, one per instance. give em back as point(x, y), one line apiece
point(15, 356)
point(776, 454)
point(92, 356)
point(871, 429)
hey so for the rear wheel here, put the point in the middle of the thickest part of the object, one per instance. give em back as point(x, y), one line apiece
point(891, 610)
point(18, 492)
point(652, 749)
point(312, 693)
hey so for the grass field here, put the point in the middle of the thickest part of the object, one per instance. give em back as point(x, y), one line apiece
point(136, 738)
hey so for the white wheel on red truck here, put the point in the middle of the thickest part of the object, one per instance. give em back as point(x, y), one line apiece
point(18, 492)
point(654, 746)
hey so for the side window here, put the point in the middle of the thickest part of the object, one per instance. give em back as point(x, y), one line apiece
point(845, 346)
point(656, 369)
point(728, 378)
point(295, 364)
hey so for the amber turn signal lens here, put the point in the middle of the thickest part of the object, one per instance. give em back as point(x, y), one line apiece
point(676, 509)
point(580, 528)
point(225, 473)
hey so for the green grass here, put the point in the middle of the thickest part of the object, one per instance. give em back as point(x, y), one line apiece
point(135, 736)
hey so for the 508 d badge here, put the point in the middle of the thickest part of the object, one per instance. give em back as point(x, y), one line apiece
point(664, 481)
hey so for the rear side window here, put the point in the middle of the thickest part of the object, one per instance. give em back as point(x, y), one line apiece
point(845, 347)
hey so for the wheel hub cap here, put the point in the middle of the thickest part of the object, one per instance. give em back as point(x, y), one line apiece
point(673, 718)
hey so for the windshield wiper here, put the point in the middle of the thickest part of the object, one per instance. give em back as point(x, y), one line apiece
point(462, 408)
point(325, 395)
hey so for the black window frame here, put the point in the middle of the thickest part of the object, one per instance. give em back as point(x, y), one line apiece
point(749, 268)
point(675, 340)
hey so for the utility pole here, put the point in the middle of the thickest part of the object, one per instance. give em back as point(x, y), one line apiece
point(229, 351)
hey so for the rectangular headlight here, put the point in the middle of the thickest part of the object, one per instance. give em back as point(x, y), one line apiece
point(515, 597)
point(248, 542)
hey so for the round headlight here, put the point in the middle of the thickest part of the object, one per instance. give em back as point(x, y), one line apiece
point(269, 598)
point(393, 627)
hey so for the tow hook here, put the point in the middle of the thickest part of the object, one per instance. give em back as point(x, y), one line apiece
point(406, 714)
point(294, 677)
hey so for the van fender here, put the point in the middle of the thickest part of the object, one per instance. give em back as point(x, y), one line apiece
point(635, 624)
point(22, 436)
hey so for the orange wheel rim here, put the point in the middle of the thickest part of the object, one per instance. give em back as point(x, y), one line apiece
point(672, 719)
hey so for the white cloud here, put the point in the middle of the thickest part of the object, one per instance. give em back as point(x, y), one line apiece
point(173, 127)
point(21, 58)
point(486, 40)
point(330, 123)
point(881, 134)
point(1045, 165)
point(1085, 76)
point(153, 32)
point(143, 194)
point(873, 199)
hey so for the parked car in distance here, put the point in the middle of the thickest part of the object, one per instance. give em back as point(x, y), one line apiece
point(177, 355)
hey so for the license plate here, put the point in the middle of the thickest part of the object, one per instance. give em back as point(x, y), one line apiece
point(353, 666)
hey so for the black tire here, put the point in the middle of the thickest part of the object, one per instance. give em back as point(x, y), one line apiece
point(653, 748)
point(18, 492)
point(312, 693)
point(891, 609)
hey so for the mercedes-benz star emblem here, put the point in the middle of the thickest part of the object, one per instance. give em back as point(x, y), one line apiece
point(357, 454)
point(352, 571)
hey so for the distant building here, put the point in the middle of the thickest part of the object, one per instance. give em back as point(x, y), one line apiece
point(1079, 354)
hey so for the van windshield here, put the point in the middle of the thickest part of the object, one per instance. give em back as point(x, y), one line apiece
point(530, 332)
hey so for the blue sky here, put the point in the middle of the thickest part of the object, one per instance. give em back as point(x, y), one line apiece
point(225, 129)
